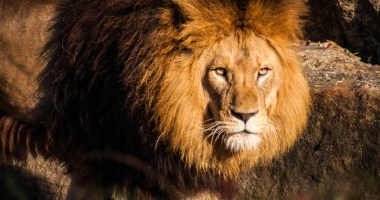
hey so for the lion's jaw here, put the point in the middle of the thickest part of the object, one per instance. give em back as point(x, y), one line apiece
point(242, 82)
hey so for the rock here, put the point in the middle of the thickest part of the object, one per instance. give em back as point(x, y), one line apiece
point(339, 154)
point(352, 24)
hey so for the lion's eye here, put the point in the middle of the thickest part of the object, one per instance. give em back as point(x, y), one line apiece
point(263, 71)
point(221, 71)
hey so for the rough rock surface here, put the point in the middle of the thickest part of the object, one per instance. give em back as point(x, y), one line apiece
point(339, 154)
point(353, 24)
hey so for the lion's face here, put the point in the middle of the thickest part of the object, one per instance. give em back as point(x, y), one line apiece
point(241, 85)
point(231, 93)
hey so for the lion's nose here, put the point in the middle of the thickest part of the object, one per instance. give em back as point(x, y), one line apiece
point(243, 116)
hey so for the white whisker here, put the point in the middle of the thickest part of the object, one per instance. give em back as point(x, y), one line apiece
point(221, 133)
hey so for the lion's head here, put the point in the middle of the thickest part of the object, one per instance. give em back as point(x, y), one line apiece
point(234, 94)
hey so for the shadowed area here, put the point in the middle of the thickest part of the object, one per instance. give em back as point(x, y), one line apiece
point(17, 183)
point(354, 25)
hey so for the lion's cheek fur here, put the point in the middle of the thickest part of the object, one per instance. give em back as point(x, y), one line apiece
point(180, 119)
point(291, 111)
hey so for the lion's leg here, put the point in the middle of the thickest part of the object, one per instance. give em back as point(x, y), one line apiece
point(88, 187)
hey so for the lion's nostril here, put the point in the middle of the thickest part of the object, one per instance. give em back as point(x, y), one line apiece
point(243, 116)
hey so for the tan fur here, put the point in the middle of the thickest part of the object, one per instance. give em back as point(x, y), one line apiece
point(23, 33)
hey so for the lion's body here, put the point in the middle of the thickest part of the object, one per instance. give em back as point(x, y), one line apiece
point(135, 78)
point(23, 33)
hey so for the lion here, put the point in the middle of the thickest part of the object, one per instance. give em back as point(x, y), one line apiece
point(161, 99)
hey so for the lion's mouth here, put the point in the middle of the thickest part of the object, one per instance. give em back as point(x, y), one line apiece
point(244, 132)
point(241, 141)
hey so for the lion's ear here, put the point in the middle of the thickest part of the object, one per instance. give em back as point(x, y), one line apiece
point(177, 16)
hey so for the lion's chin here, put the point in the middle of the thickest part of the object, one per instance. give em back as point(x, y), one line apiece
point(242, 141)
